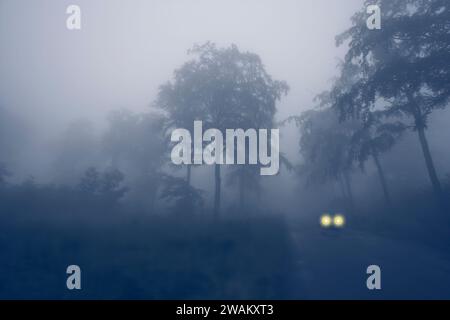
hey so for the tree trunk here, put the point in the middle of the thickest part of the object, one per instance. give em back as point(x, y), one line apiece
point(217, 191)
point(420, 125)
point(387, 196)
point(429, 162)
point(188, 174)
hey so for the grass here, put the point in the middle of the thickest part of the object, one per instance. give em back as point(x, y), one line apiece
point(151, 257)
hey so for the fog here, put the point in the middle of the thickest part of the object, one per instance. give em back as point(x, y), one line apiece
point(80, 107)
point(125, 51)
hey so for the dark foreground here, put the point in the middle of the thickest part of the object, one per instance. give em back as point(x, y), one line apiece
point(263, 257)
point(148, 258)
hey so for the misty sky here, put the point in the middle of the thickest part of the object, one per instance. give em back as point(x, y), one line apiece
point(126, 49)
point(51, 77)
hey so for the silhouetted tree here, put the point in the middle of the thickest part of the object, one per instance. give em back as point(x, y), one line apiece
point(374, 133)
point(108, 185)
point(325, 146)
point(404, 67)
point(372, 139)
point(225, 88)
point(183, 198)
point(183, 101)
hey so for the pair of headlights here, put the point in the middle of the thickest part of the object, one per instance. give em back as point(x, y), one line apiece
point(327, 221)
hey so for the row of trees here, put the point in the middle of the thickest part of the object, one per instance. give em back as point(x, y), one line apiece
point(223, 87)
point(391, 80)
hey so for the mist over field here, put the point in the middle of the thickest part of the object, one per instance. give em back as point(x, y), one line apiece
point(86, 175)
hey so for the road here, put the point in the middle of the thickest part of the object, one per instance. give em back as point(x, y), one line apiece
point(332, 265)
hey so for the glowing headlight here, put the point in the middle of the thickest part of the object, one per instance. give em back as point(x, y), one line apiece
point(339, 221)
point(325, 221)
